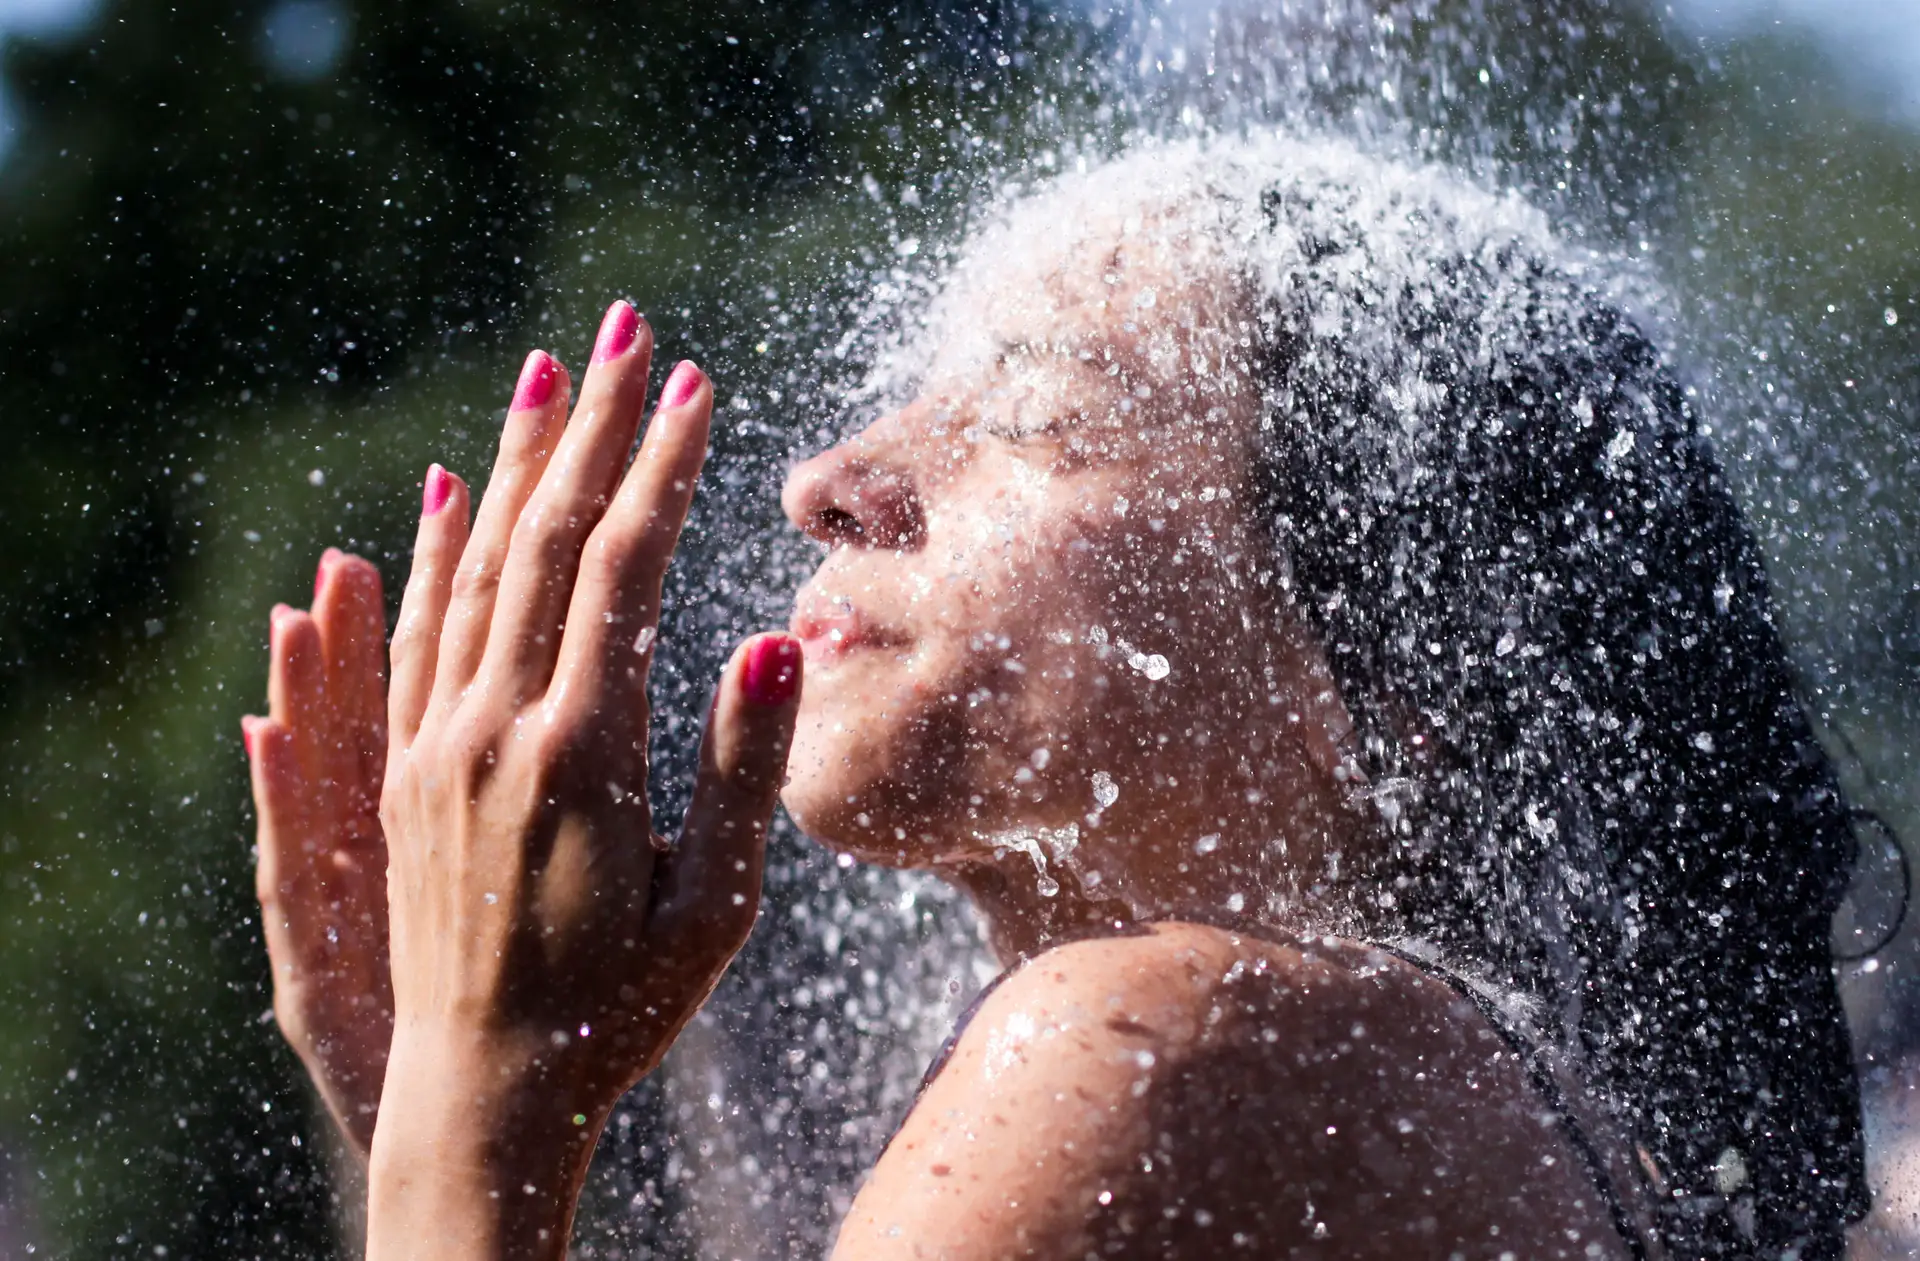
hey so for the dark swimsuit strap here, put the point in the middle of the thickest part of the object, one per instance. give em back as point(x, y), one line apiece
point(1634, 1224)
point(1634, 1228)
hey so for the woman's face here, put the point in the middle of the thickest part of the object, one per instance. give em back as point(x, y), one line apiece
point(1038, 606)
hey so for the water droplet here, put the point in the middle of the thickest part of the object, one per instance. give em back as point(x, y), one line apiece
point(1153, 665)
point(1892, 317)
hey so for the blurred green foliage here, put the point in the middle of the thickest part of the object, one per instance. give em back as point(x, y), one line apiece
point(240, 310)
point(239, 313)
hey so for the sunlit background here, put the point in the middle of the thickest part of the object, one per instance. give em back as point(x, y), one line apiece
point(261, 262)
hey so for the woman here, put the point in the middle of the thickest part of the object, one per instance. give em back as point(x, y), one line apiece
point(1300, 611)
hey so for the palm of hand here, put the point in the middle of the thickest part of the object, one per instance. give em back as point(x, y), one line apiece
point(317, 762)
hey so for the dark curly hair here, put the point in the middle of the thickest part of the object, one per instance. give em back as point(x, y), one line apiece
point(1577, 721)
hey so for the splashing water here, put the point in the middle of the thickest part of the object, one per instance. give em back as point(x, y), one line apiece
point(803, 202)
point(1039, 844)
point(1454, 122)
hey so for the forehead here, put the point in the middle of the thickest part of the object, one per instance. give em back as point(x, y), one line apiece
point(1066, 281)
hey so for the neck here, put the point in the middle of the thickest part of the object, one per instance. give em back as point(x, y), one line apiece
point(1279, 857)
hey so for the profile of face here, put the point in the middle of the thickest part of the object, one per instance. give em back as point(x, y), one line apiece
point(1045, 610)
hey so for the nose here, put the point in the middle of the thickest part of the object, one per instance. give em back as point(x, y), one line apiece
point(859, 493)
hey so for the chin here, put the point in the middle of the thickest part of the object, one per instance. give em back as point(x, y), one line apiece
point(880, 786)
point(887, 764)
point(844, 796)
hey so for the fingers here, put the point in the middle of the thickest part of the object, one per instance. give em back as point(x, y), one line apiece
point(349, 610)
point(535, 421)
point(275, 769)
point(438, 545)
point(708, 886)
point(538, 580)
point(297, 689)
point(615, 608)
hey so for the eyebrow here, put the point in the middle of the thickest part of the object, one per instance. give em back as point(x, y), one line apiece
point(1006, 348)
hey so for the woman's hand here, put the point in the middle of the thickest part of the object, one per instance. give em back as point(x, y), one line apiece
point(316, 761)
point(547, 944)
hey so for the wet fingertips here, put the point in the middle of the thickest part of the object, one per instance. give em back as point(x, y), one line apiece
point(320, 573)
point(537, 376)
point(772, 672)
point(438, 489)
point(618, 332)
point(682, 385)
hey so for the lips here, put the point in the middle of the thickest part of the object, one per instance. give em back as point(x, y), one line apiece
point(829, 629)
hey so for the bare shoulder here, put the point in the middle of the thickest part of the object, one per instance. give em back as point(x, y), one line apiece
point(1188, 1091)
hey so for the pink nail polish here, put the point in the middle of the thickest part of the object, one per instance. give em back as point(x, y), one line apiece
point(617, 332)
point(537, 376)
point(246, 734)
point(772, 673)
point(682, 385)
point(438, 488)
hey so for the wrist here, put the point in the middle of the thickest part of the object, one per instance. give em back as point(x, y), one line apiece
point(479, 1152)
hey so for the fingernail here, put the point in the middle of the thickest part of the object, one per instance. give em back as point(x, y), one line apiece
point(439, 486)
point(772, 673)
point(537, 376)
point(246, 734)
point(682, 385)
point(617, 332)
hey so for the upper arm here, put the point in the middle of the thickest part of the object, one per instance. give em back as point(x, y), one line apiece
point(1183, 1094)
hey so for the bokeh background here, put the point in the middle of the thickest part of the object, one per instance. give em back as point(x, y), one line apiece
point(262, 260)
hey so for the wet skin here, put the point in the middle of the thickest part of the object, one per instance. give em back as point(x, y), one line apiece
point(1145, 1085)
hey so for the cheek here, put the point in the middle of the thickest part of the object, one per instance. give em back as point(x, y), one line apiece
point(1027, 616)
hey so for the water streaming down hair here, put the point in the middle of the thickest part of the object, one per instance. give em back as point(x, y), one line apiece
point(1491, 497)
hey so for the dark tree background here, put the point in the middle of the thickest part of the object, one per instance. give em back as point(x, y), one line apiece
point(260, 263)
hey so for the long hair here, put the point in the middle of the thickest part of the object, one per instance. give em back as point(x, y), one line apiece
point(1493, 501)
point(1578, 724)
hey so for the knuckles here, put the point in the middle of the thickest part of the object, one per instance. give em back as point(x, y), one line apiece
point(567, 752)
point(544, 529)
point(607, 555)
point(475, 581)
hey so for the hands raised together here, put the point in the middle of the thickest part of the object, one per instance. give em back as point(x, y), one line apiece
point(546, 944)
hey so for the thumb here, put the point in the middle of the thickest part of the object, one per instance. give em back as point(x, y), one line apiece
point(707, 888)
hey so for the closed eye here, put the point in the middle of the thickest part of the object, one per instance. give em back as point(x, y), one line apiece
point(1030, 428)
